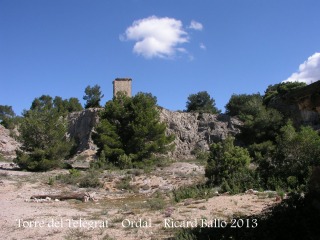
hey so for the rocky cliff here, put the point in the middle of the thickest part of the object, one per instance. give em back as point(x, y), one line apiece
point(8, 145)
point(302, 105)
point(193, 131)
point(81, 125)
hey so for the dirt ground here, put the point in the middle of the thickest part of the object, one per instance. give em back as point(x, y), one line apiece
point(116, 213)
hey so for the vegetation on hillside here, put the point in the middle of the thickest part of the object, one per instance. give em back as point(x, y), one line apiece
point(283, 157)
point(129, 130)
point(280, 89)
point(228, 167)
point(43, 133)
point(62, 106)
point(270, 153)
point(7, 116)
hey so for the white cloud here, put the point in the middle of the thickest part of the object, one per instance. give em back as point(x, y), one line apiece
point(202, 46)
point(157, 37)
point(309, 71)
point(196, 25)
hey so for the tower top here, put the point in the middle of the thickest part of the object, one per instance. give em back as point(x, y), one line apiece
point(122, 79)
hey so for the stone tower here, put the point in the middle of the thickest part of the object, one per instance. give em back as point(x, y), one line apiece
point(122, 85)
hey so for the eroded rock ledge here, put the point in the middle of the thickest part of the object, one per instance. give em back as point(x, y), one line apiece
point(193, 131)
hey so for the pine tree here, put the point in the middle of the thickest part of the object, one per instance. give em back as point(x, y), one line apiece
point(43, 137)
point(201, 102)
point(93, 96)
point(131, 127)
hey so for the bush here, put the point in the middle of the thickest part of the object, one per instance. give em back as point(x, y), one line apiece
point(83, 180)
point(124, 184)
point(229, 165)
point(240, 181)
point(72, 178)
point(289, 163)
point(124, 161)
point(36, 161)
point(90, 180)
point(157, 203)
point(196, 191)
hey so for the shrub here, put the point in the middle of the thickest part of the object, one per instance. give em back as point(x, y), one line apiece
point(90, 179)
point(124, 161)
point(289, 165)
point(124, 183)
point(195, 191)
point(157, 203)
point(83, 180)
point(228, 165)
point(51, 181)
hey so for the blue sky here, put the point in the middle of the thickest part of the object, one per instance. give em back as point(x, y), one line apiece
point(169, 48)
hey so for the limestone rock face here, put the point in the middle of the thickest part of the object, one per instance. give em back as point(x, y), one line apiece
point(81, 126)
point(195, 131)
point(301, 105)
point(8, 145)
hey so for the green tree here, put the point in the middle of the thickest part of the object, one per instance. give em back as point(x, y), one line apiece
point(131, 127)
point(148, 134)
point(297, 153)
point(244, 104)
point(43, 136)
point(42, 103)
point(201, 102)
point(60, 104)
point(260, 123)
point(263, 126)
point(288, 162)
point(74, 105)
point(228, 165)
point(280, 89)
point(108, 140)
point(93, 96)
point(7, 116)
point(63, 106)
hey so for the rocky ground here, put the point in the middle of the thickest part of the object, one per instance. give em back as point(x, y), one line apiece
point(147, 211)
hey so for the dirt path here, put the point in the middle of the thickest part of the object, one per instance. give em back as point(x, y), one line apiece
point(114, 215)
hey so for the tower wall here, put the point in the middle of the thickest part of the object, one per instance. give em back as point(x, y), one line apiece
point(122, 85)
